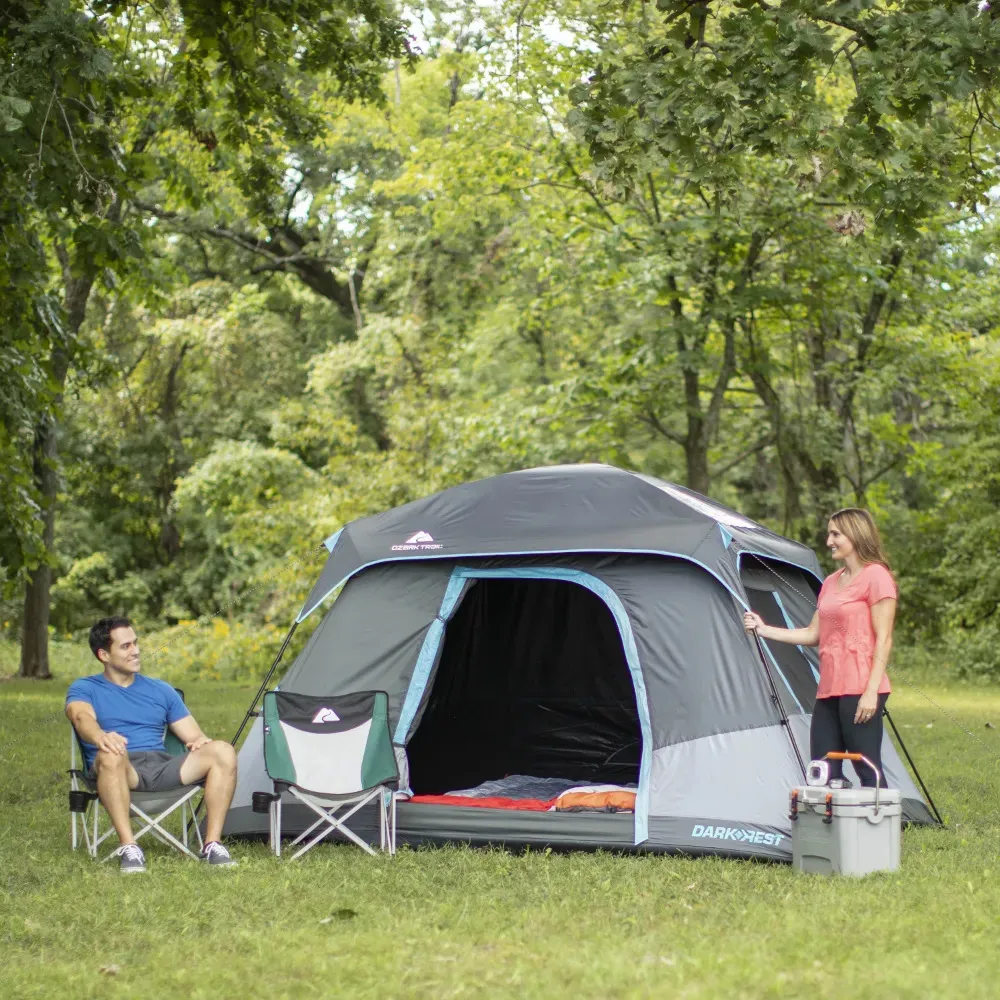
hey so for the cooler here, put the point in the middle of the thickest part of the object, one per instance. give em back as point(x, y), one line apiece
point(845, 831)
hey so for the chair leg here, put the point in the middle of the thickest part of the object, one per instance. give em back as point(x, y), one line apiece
point(336, 823)
point(94, 842)
point(153, 826)
point(392, 825)
point(276, 826)
point(197, 829)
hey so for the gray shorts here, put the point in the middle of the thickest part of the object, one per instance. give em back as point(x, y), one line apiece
point(158, 770)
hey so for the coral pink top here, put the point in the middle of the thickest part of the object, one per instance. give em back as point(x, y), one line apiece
point(846, 636)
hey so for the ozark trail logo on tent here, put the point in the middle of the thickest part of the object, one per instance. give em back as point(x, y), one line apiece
point(742, 835)
point(418, 542)
point(325, 715)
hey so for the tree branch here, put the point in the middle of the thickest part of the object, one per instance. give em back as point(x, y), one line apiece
point(651, 420)
point(721, 470)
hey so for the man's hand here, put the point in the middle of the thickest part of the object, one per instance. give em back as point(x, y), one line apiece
point(198, 743)
point(112, 743)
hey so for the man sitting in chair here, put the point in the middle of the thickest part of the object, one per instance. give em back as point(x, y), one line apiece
point(120, 717)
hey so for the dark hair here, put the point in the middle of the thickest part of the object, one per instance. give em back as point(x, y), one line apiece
point(100, 632)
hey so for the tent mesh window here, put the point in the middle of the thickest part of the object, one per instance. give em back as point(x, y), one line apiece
point(532, 680)
point(793, 665)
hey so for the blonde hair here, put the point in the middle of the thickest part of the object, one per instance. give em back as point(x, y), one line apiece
point(860, 528)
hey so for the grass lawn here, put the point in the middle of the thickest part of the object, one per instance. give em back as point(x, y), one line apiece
point(461, 922)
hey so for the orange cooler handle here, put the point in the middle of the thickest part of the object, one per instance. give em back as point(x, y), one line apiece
point(837, 755)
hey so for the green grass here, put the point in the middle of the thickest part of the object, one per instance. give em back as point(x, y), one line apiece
point(462, 922)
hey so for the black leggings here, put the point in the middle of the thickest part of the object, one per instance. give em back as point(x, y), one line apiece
point(834, 729)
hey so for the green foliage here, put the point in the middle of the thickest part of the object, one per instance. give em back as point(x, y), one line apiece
point(745, 246)
point(218, 650)
point(95, 100)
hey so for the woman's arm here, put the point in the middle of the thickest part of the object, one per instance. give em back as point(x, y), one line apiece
point(808, 636)
point(883, 618)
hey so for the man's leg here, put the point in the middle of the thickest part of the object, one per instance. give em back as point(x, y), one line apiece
point(115, 777)
point(216, 763)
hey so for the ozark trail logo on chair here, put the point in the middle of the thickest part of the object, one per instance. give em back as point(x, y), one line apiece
point(325, 715)
point(420, 541)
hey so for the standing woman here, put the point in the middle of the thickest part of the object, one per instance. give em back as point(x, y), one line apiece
point(853, 629)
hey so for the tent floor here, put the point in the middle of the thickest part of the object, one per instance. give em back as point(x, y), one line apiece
point(418, 824)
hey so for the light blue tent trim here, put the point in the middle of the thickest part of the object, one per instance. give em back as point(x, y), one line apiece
point(789, 624)
point(329, 543)
point(552, 552)
point(727, 539)
point(429, 651)
point(427, 656)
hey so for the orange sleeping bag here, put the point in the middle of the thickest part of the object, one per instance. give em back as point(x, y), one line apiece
point(618, 799)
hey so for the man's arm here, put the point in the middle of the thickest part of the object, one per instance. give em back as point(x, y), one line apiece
point(84, 720)
point(189, 733)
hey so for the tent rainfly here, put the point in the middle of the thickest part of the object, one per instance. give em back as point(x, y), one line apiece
point(578, 622)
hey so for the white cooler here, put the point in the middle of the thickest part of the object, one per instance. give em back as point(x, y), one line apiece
point(845, 831)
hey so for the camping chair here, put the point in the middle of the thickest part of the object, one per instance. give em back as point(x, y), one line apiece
point(151, 808)
point(330, 753)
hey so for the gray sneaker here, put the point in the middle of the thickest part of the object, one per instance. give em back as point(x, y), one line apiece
point(214, 853)
point(131, 859)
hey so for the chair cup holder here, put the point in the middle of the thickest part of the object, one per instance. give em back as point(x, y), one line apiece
point(262, 801)
point(79, 800)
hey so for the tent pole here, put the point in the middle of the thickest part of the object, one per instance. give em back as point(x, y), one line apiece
point(266, 681)
point(775, 697)
point(196, 813)
point(913, 767)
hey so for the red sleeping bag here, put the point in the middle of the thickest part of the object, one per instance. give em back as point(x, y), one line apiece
point(494, 802)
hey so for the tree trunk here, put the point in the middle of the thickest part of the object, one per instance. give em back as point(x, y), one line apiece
point(37, 595)
point(35, 627)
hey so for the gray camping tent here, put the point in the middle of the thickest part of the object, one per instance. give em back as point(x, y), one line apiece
point(580, 622)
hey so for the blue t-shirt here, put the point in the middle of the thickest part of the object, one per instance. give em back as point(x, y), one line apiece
point(139, 712)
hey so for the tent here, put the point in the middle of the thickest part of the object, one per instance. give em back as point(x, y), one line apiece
point(578, 622)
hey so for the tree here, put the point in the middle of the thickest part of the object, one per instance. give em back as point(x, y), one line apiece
point(785, 122)
point(90, 91)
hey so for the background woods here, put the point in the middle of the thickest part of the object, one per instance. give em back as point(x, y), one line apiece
point(264, 272)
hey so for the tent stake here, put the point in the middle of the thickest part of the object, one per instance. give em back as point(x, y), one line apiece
point(266, 681)
point(777, 704)
point(913, 767)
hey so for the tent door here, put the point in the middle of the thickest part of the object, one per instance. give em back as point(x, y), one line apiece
point(417, 695)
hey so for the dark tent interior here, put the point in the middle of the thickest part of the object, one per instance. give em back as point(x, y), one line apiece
point(532, 679)
point(793, 665)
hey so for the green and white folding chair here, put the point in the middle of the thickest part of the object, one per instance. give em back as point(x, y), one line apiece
point(330, 754)
point(149, 808)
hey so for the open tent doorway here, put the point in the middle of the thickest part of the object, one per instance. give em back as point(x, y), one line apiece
point(532, 679)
